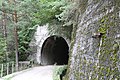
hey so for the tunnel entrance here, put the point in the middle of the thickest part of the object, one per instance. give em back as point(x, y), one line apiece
point(54, 51)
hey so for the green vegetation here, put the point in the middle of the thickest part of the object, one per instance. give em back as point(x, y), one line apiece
point(109, 50)
point(2, 50)
point(9, 78)
point(57, 71)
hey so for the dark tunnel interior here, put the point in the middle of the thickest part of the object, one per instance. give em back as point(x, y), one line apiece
point(54, 51)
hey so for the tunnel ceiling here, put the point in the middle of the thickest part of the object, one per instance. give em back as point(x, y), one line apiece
point(54, 51)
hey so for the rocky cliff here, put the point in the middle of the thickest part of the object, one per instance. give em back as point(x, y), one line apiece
point(94, 56)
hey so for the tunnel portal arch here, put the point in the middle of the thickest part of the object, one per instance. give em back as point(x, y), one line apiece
point(55, 50)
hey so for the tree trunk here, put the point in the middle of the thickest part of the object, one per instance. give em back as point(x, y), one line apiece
point(14, 17)
point(16, 38)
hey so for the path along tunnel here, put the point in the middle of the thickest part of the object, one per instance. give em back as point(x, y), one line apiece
point(54, 51)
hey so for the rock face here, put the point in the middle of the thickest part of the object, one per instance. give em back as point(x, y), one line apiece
point(95, 58)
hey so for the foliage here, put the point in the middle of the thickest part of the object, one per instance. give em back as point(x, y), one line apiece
point(2, 50)
point(67, 14)
point(59, 10)
point(25, 36)
point(56, 14)
point(58, 70)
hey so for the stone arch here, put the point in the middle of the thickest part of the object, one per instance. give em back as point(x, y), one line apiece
point(54, 51)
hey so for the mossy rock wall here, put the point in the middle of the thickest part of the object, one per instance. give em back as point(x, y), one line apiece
point(95, 58)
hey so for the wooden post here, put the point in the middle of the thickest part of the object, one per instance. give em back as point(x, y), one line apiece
point(12, 67)
point(7, 68)
point(1, 70)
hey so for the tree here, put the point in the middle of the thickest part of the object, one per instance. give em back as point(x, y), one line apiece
point(3, 38)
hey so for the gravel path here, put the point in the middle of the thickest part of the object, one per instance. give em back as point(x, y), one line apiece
point(36, 73)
